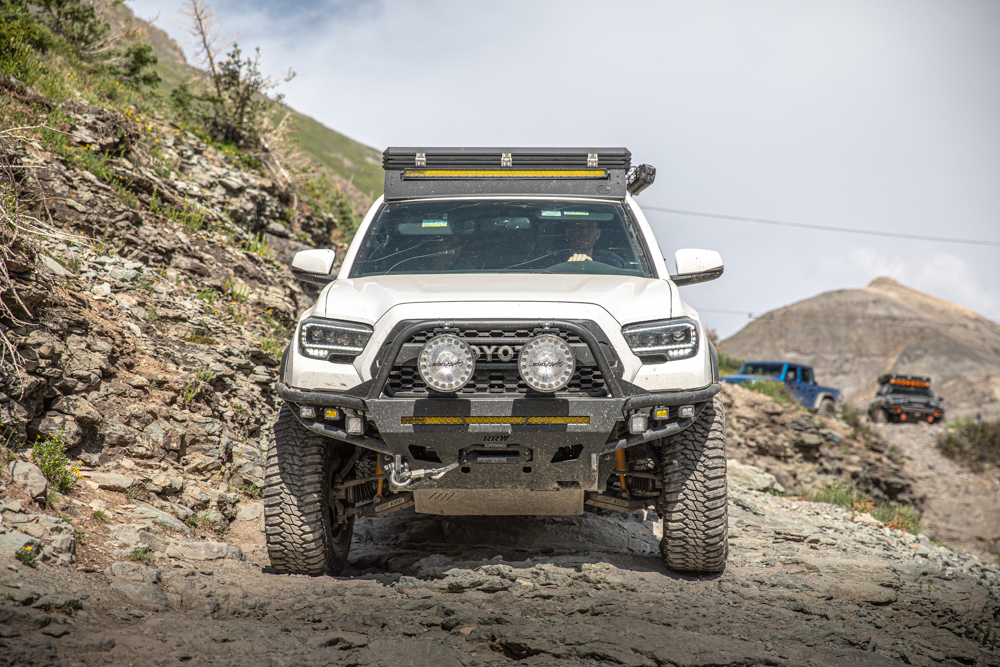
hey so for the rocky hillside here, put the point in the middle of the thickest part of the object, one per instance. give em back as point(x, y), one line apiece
point(852, 336)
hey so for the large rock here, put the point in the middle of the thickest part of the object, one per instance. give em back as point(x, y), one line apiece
point(12, 541)
point(78, 408)
point(751, 477)
point(112, 481)
point(58, 425)
point(204, 551)
point(29, 477)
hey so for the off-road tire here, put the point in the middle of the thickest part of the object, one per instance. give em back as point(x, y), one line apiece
point(827, 408)
point(297, 517)
point(879, 417)
point(695, 495)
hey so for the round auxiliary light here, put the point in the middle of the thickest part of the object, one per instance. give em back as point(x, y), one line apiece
point(546, 363)
point(446, 363)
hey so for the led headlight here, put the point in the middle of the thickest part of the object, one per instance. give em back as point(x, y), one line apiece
point(323, 339)
point(664, 340)
point(446, 363)
point(546, 363)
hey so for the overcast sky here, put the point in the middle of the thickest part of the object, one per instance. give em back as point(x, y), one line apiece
point(878, 114)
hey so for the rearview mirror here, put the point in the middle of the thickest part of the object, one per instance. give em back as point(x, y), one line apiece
point(314, 266)
point(696, 266)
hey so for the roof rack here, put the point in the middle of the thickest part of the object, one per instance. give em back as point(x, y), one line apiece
point(446, 172)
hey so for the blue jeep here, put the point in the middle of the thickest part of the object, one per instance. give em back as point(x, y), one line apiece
point(799, 379)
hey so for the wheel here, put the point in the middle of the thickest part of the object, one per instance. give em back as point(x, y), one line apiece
point(879, 417)
point(298, 521)
point(827, 408)
point(695, 495)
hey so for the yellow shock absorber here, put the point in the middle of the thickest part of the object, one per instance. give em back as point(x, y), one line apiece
point(621, 466)
point(378, 471)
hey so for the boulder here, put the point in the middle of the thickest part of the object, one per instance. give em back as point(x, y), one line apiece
point(79, 409)
point(29, 477)
point(112, 481)
point(751, 477)
point(58, 425)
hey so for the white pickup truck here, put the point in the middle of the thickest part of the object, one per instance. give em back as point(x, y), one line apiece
point(502, 337)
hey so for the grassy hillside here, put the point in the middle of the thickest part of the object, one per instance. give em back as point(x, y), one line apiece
point(356, 163)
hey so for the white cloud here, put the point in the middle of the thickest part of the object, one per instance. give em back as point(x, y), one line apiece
point(939, 274)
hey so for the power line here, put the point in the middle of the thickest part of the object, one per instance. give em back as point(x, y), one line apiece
point(827, 228)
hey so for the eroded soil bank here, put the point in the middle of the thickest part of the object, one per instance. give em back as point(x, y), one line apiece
point(807, 584)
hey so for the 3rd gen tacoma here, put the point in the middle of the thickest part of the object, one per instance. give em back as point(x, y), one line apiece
point(502, 338)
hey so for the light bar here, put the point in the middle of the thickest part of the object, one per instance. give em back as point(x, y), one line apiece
point(909, 383)
point(505, 173)
point(516, 421)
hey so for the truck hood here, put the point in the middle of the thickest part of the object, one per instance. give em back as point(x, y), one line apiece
point(626, 299)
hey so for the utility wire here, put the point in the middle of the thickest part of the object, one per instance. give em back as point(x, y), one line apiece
point(827, 228)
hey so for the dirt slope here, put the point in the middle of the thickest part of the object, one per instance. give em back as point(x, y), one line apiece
point(851, 336)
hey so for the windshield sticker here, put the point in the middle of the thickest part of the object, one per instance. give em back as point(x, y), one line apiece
point(551, 214)
point(435, 223)
point(576, 213)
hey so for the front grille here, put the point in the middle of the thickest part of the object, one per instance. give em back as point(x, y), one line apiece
point(491, 376)
point(405, 382)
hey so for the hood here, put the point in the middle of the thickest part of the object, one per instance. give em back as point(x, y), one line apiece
point(737, 379)
point(626, 299)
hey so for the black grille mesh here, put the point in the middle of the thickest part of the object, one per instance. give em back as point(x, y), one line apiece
point(405, 382)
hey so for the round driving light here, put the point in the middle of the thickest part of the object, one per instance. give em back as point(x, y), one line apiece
point(546, 363)
point(446, 363)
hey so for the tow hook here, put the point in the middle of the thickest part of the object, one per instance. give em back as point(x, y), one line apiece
point(400, 475)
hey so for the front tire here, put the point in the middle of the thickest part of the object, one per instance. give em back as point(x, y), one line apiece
point(298, 521)
point(827, 408)
point(695, 495)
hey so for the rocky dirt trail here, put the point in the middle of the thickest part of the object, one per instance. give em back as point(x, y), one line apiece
point(807, 584)
point(960, 507)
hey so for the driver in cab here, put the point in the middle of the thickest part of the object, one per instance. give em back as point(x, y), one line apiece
point(582, 235)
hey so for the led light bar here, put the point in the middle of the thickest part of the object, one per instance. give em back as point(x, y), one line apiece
point(505, 173)
point(516, 421)
point(909, 383)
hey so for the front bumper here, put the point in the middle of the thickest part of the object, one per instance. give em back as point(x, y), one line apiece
point(502, 443)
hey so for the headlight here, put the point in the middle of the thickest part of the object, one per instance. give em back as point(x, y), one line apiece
point(446, 363)
point(546, 363)
point(662, 341)
point(325, 339)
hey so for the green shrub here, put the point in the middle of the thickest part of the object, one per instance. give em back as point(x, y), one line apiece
point(49, 454)
point(776, 390)
point(27, 555)
point(974, 444)
point(895, 516)
point(258, 245)
point(141, 555)
point(729, 365)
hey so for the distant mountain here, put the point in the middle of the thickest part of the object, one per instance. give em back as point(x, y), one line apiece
point(852, 336)
point(355, 163)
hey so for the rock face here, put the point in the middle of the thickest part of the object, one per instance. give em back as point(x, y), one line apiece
point(852, 336)
point(29, 477)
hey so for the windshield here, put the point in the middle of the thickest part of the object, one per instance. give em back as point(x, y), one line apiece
point(772, 370)
point(502, 236)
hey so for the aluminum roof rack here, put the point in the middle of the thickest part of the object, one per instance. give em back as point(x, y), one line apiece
point(447, 172)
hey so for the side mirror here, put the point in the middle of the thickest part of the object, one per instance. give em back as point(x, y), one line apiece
point(314, 266)
point(696, 266)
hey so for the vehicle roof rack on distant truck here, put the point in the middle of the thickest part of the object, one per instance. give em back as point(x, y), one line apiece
point(603, 173)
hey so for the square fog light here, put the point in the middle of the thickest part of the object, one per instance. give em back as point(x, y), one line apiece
point(661, 413)
point(332, 413)
point(355, 425)
point(307, 412)
point(637, 423)
point(685, 411)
